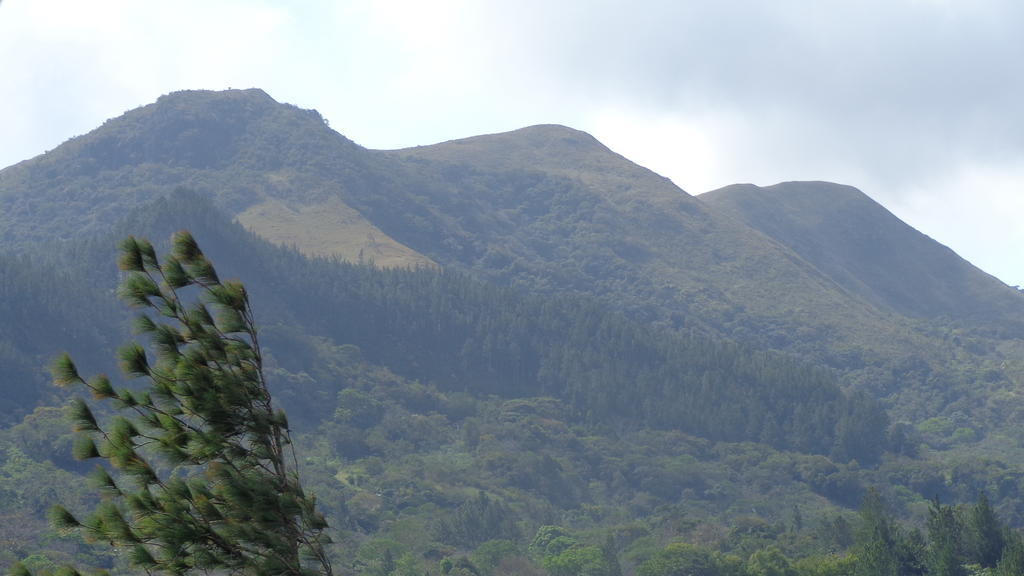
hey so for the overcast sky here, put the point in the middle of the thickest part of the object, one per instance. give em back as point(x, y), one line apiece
point(920, 103)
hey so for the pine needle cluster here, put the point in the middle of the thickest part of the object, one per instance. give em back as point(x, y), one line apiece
point(230, 500)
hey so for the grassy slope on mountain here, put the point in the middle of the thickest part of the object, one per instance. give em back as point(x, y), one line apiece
point(868, 251)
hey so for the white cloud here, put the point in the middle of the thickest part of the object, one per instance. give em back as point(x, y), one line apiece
point(71, 64)
point(687, 151)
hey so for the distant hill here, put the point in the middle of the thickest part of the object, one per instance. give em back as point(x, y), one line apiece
point(870, 252)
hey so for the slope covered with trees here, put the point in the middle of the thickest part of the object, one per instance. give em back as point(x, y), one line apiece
point(519, 447)
point(460, 334)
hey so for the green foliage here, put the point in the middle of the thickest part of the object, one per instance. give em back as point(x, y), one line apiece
point(945, 536)
point(681, 558)
point(770, 562)
point(234, 501)
point(882, 547)
point(45, 308)
point(551, 541)
point(831, 565)
point(1012, 561)
point(476, 521)
point(490, 554)
point(561, 554)
point(578, 561)
point(984, 534)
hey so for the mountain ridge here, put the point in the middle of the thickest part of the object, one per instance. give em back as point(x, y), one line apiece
point(551, 148)
point(546, 209)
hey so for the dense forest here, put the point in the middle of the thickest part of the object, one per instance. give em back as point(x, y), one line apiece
point(451, 425)
point(462, 335)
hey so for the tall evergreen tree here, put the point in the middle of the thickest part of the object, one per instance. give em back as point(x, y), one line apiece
point(877, 536)
point(984, 534)
point(1012, 561)
point(230, 501)
point(945, 528)
point(611, 556)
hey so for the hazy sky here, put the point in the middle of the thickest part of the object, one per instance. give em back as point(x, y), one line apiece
point(920, 103)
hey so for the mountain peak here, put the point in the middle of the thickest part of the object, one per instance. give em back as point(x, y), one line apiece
point(556, 150)
point(240, 147)
point(197, 109)
point(200, 129)
point(237, 94)
point(542, 145)
point(554, 134)
point(807, 192)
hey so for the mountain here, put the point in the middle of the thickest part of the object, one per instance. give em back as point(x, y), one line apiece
point(871, 253)
point(545, 209)
point(522, 334)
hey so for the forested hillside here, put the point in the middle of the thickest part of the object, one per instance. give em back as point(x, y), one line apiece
point(438, 413)
point(462, 335)
point(521, 353)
